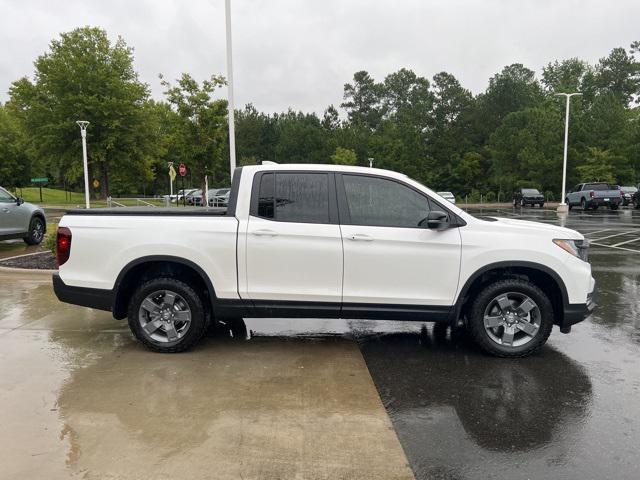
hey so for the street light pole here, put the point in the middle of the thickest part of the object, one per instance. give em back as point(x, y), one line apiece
point(83, 133)
point(231, 107)
point(563, 206)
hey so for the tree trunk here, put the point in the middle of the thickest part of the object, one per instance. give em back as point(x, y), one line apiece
point(104, 182)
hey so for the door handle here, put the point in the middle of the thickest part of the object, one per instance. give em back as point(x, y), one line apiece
point(360, 237)
point(264, 233)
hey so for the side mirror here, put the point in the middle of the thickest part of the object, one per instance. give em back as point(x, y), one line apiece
point(19, 201)
point(436, 219)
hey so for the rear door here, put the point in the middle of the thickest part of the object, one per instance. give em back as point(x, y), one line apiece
point(390, 258)
point(293, 241)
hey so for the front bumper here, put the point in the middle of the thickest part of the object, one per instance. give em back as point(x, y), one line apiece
point(577, 312)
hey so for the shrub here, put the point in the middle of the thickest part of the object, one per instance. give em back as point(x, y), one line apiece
point(50, 239)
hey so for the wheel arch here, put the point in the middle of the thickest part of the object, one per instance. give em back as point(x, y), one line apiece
point(140, 269)
point(542, 276)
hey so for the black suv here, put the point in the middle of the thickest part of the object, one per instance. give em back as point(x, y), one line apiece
point(528, 196)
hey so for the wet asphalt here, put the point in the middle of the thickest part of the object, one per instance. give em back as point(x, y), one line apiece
point(306, 398)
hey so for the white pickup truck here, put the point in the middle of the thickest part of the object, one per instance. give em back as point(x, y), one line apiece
point(325, 241)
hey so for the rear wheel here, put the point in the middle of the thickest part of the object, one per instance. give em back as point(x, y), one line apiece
point(542, 205)
point(583, 205)
point(36, 232)
point(511, 318)
point(613, 206)
point(167, 315)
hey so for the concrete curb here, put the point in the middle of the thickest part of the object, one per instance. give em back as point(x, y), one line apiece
point(26, 271)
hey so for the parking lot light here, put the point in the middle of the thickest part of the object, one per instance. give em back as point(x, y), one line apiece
point(83, 133)
point(563, 206)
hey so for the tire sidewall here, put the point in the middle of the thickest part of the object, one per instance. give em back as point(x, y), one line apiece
point(487, 294)
point(198, 315)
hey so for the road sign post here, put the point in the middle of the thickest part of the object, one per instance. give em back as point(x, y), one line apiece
point(40, 181)
point(182, 170)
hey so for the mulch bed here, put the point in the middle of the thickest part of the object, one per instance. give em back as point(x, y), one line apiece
point(38, 261)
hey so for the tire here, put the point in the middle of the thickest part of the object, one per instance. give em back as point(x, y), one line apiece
point(542, 205)
point(167, 337)
point(583, 205)
point(636, 203)
point(569, 206)
point(613, 206)
point(36, 232)
point(539, 320)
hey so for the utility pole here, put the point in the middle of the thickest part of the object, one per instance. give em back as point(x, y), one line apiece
point(83, 133)
point(231, 107)
point(563, 206)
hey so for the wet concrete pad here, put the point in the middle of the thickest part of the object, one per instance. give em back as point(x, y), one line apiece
point(98, 405)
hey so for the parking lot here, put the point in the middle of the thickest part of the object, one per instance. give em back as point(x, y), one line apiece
point(318, 398)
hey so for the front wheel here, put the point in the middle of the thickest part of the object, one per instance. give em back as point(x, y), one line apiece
point(613, 206)
point(36, 232)
point(167, 315)
point(511, 318)
point(569, 206)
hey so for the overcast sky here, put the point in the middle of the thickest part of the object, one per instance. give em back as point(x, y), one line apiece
point(299, 53)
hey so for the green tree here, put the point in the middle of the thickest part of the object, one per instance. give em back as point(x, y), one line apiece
point(200, 137)
point(84, 76)
point(344, 156)
point(597, 167)
point(15, 164)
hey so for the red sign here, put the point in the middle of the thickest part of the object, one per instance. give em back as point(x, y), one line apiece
point(182, 169)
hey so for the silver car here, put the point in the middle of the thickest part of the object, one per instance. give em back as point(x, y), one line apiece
point(20, 220)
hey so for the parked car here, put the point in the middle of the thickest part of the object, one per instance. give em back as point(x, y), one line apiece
point(325, 241)
point(183, 193)
point(528, 196)
point(194, 198)
point(19, 219)
point(627, 195)
point(219, 197)
point(635, 199)
point(594, 195)
point(450, 197)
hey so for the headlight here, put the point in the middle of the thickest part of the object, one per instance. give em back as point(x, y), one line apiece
point(577, 248)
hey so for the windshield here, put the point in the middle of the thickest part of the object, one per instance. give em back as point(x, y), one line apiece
point(629, 189)
point(530, 191)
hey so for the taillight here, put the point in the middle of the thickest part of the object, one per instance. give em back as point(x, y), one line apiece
point(592, 194)
point(63, 245)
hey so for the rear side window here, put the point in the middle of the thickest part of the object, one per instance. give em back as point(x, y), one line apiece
point(383, 203)
point(294, 197)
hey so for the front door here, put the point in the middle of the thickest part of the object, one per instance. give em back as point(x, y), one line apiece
point(11, 221)
point(294, 247)
point(390, 257)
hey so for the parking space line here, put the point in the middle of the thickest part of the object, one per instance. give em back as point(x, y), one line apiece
point(614, 235)
point(626, 241)
point(598, 231)
point(617, 248)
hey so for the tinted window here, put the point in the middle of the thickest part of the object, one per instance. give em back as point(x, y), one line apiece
point(530, 191)
point(299, 197)
point(383, 203)
point(265, 197)
point(5, 197)
point(598, 186)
